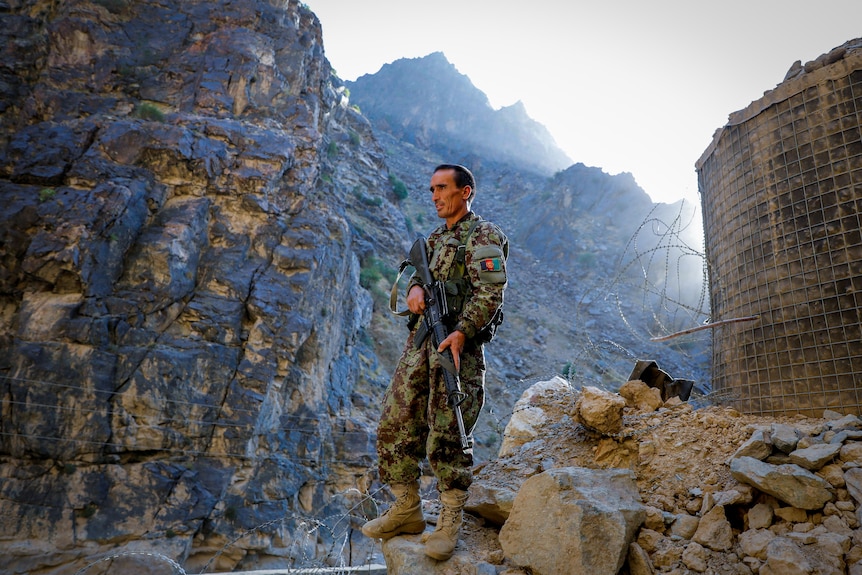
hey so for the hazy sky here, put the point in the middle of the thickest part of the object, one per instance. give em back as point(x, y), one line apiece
point(625, 85)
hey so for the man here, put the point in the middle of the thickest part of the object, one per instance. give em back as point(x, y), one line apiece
point(416, 421)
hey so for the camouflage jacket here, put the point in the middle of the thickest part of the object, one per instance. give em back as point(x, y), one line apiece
point(485, 268)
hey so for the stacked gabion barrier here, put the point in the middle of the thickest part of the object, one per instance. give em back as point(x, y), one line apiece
point(781, 187)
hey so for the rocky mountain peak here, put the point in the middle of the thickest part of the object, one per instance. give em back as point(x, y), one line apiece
point(427, 102)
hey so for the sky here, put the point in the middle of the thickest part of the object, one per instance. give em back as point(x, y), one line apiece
point(624, 85)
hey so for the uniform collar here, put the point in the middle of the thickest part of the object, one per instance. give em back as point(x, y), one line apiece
point(468, 216)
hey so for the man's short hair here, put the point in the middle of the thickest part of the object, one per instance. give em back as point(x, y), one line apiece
point(463, 177)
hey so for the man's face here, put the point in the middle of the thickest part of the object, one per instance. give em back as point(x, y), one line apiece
point(448, 198)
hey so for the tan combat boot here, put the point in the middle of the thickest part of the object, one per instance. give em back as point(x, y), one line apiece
point(404, 516)
point(440, 545)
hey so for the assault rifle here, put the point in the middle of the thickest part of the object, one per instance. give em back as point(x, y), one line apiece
point(435, 313)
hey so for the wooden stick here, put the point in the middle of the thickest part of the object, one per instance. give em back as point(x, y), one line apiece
point(705, 326)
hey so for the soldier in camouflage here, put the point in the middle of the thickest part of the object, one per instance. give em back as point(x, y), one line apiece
point(416, 421)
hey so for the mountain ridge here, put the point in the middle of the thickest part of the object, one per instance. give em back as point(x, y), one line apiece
point(454, 116)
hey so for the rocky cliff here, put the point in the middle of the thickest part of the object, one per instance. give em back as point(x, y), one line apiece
point(180, 290)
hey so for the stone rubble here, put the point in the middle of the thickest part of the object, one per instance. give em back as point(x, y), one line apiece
point(717, 492)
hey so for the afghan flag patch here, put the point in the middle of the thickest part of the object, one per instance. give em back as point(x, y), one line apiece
point(491, 265)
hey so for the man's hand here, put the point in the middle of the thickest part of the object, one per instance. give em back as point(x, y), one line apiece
point(416, 300)
point(455, 343)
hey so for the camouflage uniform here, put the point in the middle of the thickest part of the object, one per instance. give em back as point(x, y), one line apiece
point(416, 421)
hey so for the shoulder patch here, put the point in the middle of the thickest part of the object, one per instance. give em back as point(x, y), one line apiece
point(490, 263)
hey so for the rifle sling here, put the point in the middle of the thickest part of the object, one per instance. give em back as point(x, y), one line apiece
point(393, 294)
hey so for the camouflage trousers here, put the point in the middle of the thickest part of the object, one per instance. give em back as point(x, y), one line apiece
point(416, 421)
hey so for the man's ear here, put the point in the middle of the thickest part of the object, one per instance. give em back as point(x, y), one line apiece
point(467, 190)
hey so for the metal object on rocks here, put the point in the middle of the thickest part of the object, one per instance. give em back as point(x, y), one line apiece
point(648, 372)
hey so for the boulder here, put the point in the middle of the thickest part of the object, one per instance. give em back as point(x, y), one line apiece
point(758, 446)
point(714, 530)
point(789, 483)
point(600, 410)
point(573, 521)
point(526, 416)
point(815, 457)
point(641, 397)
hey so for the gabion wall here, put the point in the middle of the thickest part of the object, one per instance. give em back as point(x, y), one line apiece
point(781, 186)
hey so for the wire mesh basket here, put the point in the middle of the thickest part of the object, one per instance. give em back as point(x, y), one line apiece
point(781, 186)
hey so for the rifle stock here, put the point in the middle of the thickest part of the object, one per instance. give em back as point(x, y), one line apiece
point(435, 313)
